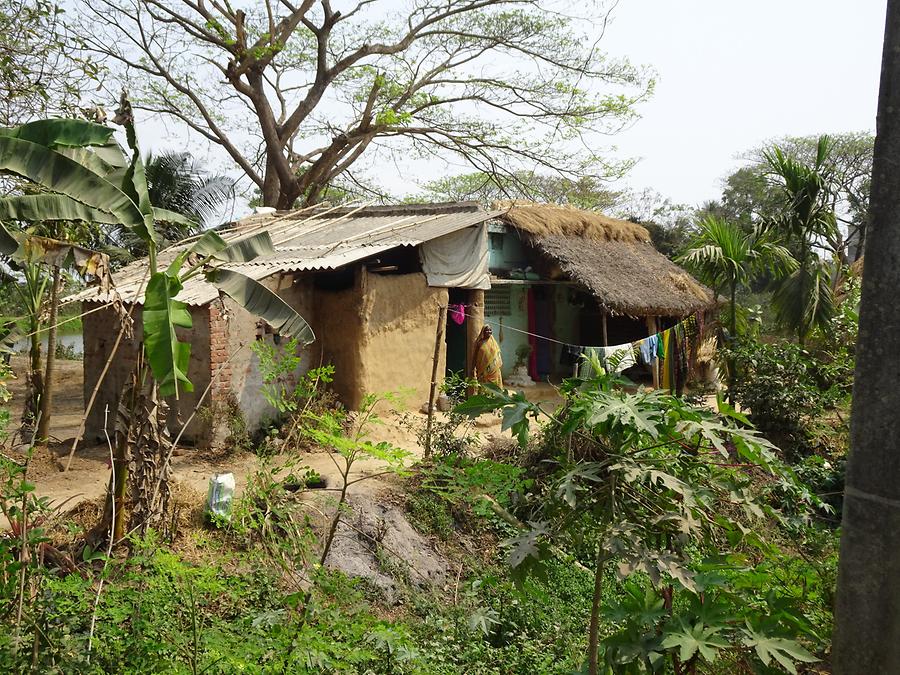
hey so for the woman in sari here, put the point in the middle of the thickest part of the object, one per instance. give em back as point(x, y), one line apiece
point(488, 360)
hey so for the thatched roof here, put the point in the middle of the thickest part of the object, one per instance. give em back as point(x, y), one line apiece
point(550, 219)
point(613, 259)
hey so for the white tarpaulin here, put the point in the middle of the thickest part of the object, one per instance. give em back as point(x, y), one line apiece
point(458, 260)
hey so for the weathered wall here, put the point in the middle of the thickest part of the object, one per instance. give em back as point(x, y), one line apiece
point(340, 331)
point(379, 335)
point(401, 313)
point(239, 328)
point(101, 329)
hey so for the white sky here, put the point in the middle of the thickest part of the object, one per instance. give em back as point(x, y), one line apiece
point(731, 74)
point(735, 73)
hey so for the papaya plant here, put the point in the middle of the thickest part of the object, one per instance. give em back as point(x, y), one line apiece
point(83, 174)
point(641, 481)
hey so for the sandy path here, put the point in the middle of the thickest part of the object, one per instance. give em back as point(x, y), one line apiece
point(89, 475)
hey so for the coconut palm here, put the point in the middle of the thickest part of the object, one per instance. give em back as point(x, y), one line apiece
point(727, 258)
point(808, 224)
point(176, 182)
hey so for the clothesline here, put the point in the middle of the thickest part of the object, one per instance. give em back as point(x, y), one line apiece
point(554, 340)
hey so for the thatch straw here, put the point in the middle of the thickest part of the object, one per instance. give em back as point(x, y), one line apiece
point(630, 278)
point(544, 220)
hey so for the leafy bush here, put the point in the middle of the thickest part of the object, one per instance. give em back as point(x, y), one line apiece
point(777, 383)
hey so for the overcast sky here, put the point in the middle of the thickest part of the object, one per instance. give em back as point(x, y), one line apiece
point(734, 73)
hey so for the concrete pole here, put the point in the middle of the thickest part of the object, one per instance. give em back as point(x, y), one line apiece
point(867, 609)
point(474, 324)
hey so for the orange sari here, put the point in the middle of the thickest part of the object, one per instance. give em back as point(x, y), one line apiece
point(488, 362)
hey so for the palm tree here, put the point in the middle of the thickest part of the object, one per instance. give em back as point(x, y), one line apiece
point(807, 222)
point(177, 183)
point(727, 258)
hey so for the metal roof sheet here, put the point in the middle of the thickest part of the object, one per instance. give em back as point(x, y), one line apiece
point(307, 240)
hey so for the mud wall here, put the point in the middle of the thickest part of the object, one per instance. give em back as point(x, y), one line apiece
point(242, 374)
point(400, 314)
point(379, 335)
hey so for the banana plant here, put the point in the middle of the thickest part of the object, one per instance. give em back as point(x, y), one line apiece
point(85, 175)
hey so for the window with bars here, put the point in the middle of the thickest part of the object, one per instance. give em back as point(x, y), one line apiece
point(497, 301)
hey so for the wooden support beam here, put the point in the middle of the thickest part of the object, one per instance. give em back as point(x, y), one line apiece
point(474, 324)
point(653, 329)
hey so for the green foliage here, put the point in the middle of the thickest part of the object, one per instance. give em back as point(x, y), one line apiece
point(643, 482)
point(787, 414)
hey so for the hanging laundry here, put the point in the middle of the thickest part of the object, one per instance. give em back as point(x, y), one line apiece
point(667, 365)
point(618, 358)
point(648, 347)
point(457, 312)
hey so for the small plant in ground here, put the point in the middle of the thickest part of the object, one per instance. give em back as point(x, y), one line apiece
point(453, 435)
point(298, 399)
point(229, 410)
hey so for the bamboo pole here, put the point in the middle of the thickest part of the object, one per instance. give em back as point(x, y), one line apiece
point(439, 332)
point(605, 337)
point(653, 329)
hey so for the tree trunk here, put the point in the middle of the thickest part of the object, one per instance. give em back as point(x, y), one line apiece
point(594, 629)
point(35, 378)
point(867, 611)
point(43, 430)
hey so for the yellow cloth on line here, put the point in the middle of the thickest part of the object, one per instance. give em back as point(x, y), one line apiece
point(667, 382)
point(488, 362)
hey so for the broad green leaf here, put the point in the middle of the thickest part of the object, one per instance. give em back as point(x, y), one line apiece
point(211, 245)
point(479, 404)
point(782, 650)
point(627, 411)
point(162, 314)
point(246, 249)
point(166, 216)
point(691, 639)
point(104, 160)
point(261, 302)
point(63, 175)
point(61, 132)
point(51, 206)
point(134, 183)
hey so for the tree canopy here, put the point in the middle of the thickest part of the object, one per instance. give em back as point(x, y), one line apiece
point(297, 94)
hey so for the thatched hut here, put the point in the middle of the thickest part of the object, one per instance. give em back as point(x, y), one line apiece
point(576, 277)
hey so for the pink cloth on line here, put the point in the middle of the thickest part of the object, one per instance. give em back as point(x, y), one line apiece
point(457, 313)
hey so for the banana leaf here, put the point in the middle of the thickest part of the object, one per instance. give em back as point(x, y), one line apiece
point(51, 206)
point(8, 243)
point(64, 175)
point(261, 302)
point(61, 132)
point(33, 249)
point(167, 355)
point(166, 216)
point(102, 160)
point(134, 183)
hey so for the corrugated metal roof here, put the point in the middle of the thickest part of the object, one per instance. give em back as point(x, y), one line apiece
point(311, 239)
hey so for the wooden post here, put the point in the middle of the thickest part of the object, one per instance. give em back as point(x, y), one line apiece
point(653, 329)
point(605, 338)
point(439, 333)
point(474, 324)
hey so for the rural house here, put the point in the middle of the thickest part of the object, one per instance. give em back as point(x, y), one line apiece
point(565, 277)
point(373, 282)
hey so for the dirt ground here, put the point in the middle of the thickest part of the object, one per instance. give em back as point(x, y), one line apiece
point(88, 476)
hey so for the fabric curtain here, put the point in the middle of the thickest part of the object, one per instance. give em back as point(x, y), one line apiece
point(458, 260)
